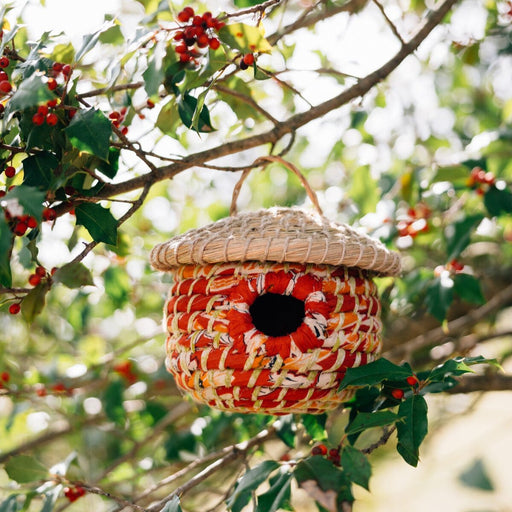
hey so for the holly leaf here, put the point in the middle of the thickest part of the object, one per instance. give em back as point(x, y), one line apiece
point(24, 469)
point(413, 429)
point(33, 302)
point(286, 430)
point(38, 170)
point(31, 92)
point(366, 420)
point(498, 201)
point(245, 38)
point(374, 373)
point(6, 240)
point(187, 106)
point(113, 401)
point(457, 366)
point(315, 426)
point(89, 41)
point(458, 234)
point(468, 288)
point(90, 131)
point(73, 275)
point(99, 222)
point(439, 297)
point(278, 496)
point(249, 482)
point(173, 505)
point(356, 466)
point(29, 198)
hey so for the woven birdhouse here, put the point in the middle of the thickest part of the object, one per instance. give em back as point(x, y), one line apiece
point(268, 310)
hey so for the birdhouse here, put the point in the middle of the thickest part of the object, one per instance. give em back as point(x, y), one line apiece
point(268, 309)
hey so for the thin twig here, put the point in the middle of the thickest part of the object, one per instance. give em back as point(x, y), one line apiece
point(388, 21)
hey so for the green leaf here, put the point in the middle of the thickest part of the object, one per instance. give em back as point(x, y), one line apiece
point(187, 105)
point(73, 275)
point(100, 223)
point(249, 482)
point(117, 286)
point(113, 401)
point(12, 503)
point(458, 235)
point(317, 474)
point(498, 201)
point(364, 190)
point(374, 373)
point(38, 170)
point(169, 119)
point(413, 429)
point(315, 425)
point(245, 38)
point(278, 496)
point(439, 297)
point(451, 174)
point(6, 240)
point(29, 198)
point(110, 167)
point(24, 469)
point(50, 498)
point(366, 420)
point(33, 302)
point(356, 466)
point(468, 287)
point(32, 92)
point(173, 505)
point(286, 430)
point(457, 366)
point(89, 41)
point(477, 477)
point(90, 131)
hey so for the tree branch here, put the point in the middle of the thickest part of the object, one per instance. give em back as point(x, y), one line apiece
point(479, 383)
point(288, 126)
point(455, 327)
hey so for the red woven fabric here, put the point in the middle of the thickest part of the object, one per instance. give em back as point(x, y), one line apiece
point(216, 353)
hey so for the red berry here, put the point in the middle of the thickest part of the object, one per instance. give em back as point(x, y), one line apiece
point(52, 119)
point(124, 130)
point(4, 62)
point(202, 41)
point(52, 84)
point(412, 380)
point(41, 391)
point(179, 35)
point(34, 279)
point(71, 113)
point(185, 14)
point(15, 308)
point(2, 193)
point(115, 115)
point(41, 271)
point(150, 104)
point(182, 48)
point(249, 59)
point(49, 214)
point(397, 393)
point(38, 119)
point(57, 67)
point(319, 449)
point(5, 86)
point(214, 43)
point(31, 222)
point(10, 171)
point(66, 70)
point(2, 108)
point(52, 103)
point(243, 65)
point(3, 76)
point(42, 109)
point(59, 388)
point(333, 453)
point(5, 375)
point(20, 228)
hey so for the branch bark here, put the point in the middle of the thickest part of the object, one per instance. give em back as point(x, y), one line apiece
point(287, 126)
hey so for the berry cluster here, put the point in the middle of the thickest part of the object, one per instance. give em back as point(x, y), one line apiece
point(125, 369)
point(20, 224)
point(333, 454)
point(117, 117)
point(73, 493)
point(5, 85)
point(415, 222)
point(452, 267)
point(478, 178)
point(196, 35)
point(44, 115)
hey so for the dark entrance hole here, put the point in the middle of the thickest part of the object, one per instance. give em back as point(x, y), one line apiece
point(277, 315)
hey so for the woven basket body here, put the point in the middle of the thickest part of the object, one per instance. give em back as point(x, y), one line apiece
point(228, 347)
point(218, 355)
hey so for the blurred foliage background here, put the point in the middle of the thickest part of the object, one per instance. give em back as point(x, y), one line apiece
point(85, 390)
